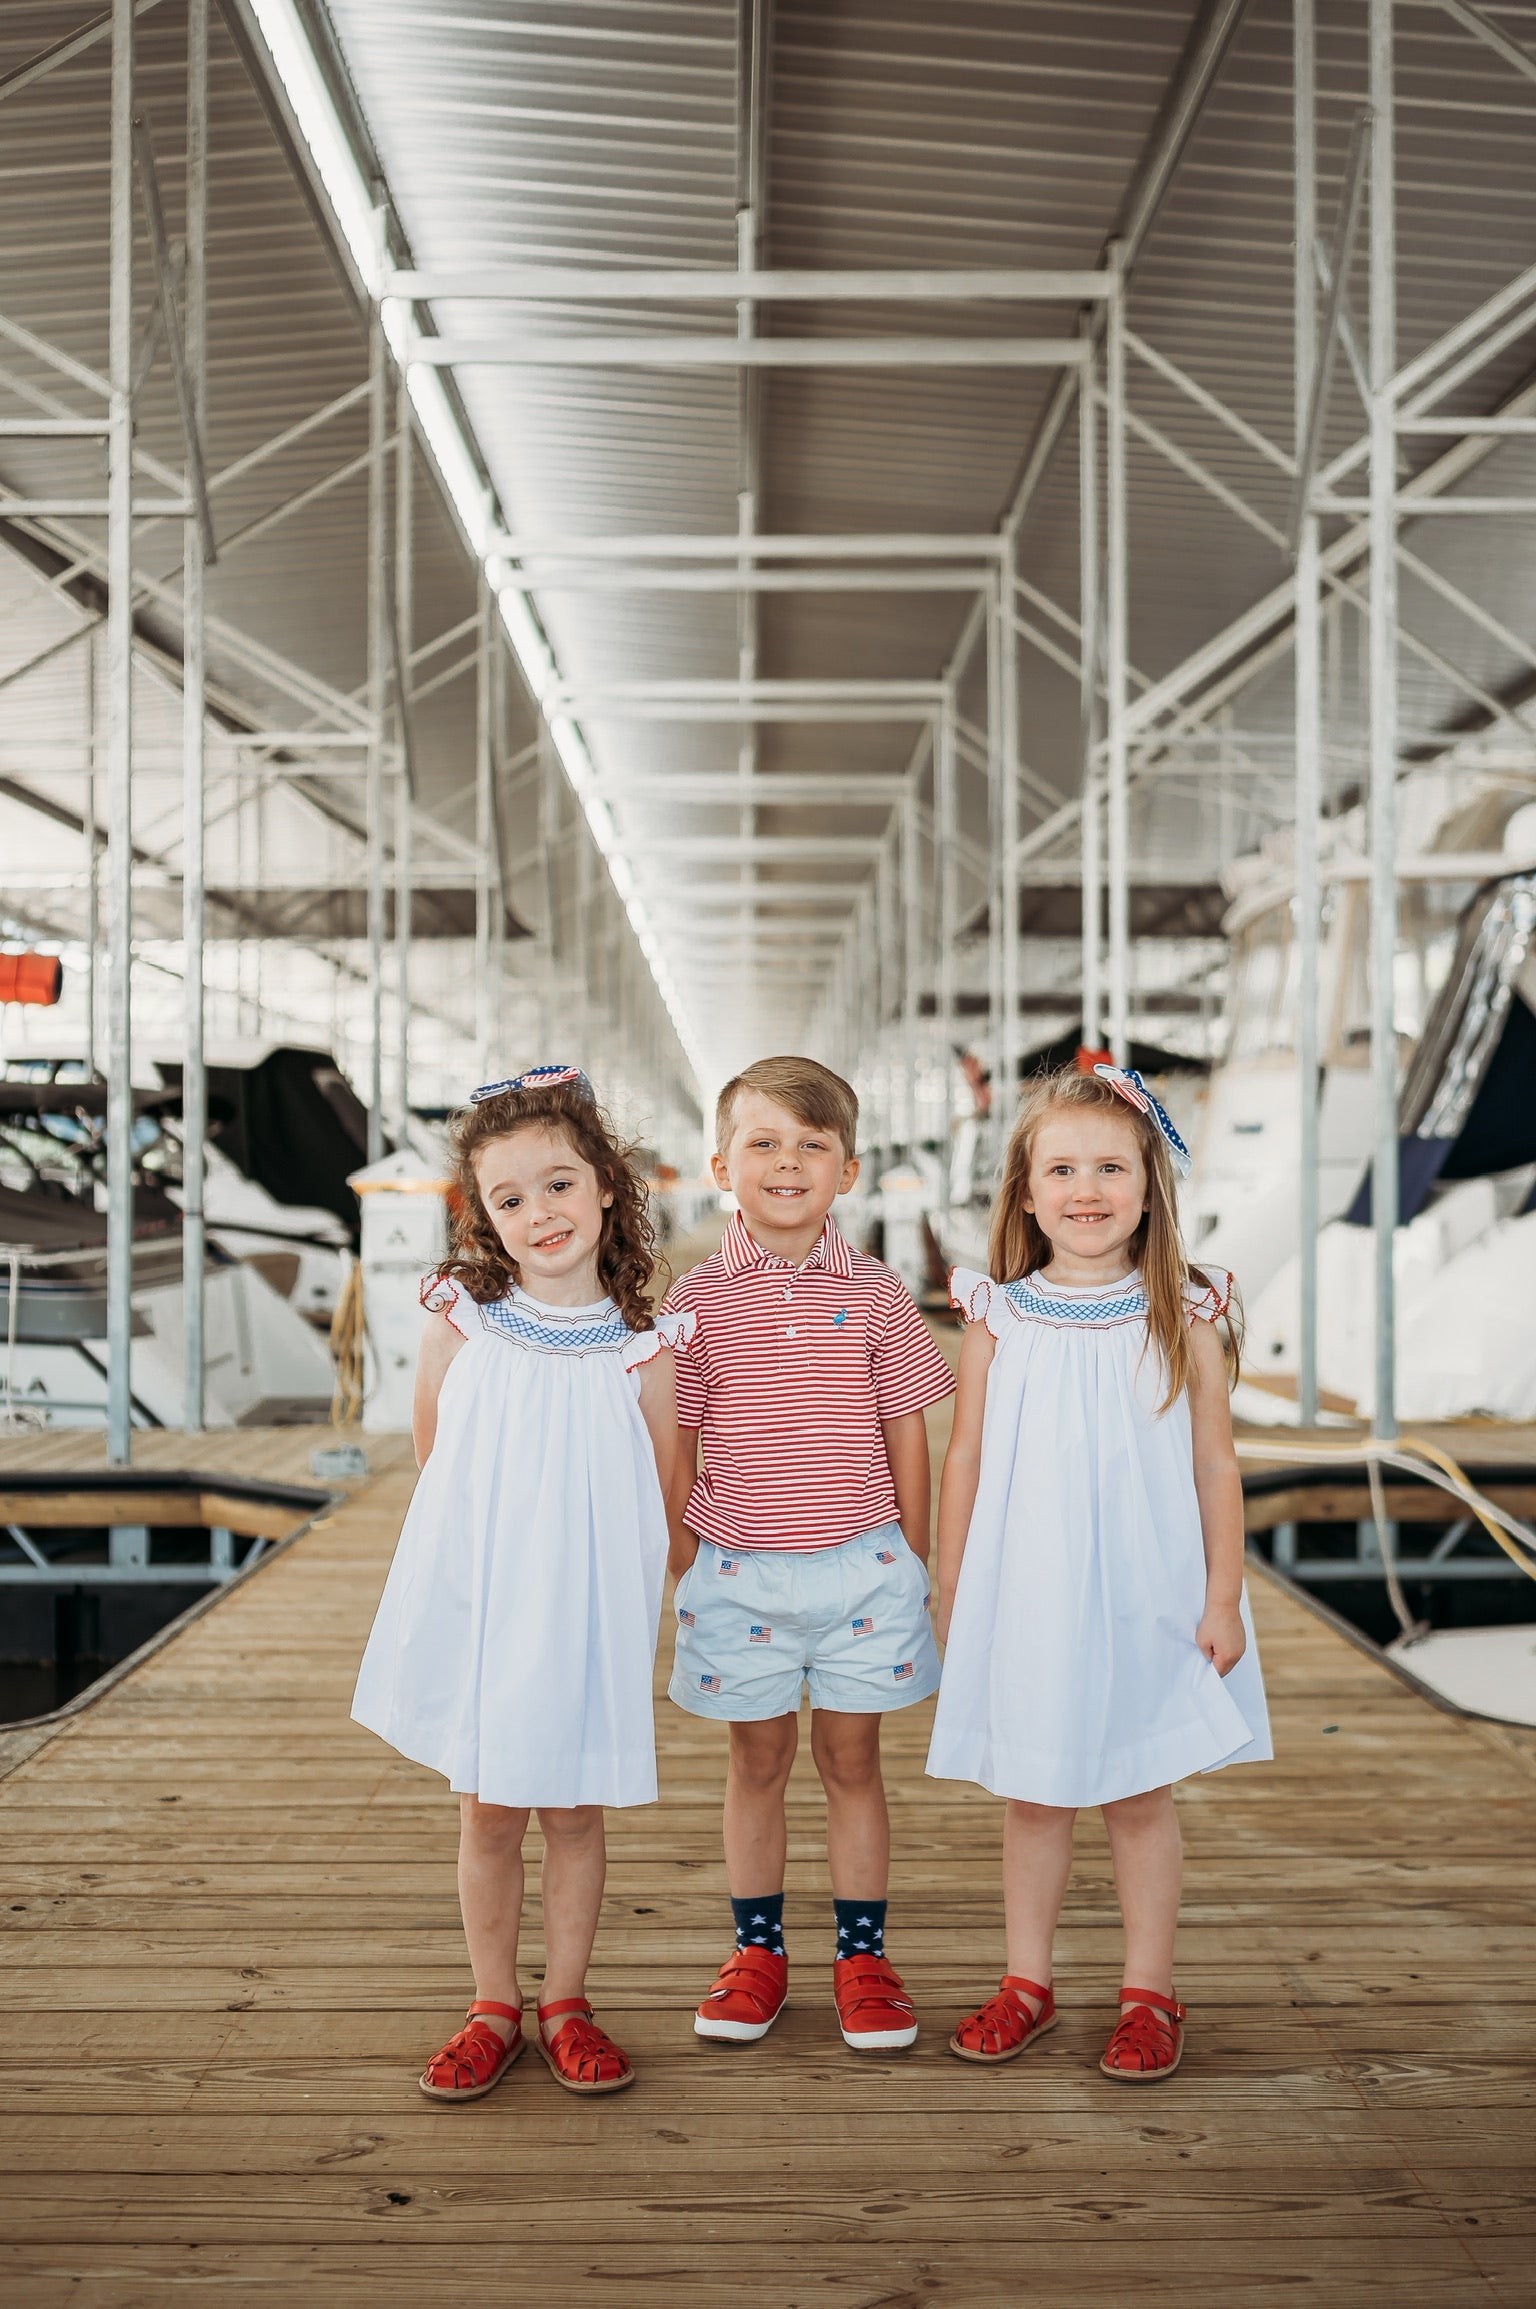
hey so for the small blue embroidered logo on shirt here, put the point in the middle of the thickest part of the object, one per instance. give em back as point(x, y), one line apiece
point(709, 1683)
point(902, 1672)
point(759, 1635)
point(840, 1318)
point(864, 1627)
point(885, 1555)
point(728, 1570)
point(686, 1619)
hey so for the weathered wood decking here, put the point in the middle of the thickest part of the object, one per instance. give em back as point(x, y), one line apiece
point(231, 1936)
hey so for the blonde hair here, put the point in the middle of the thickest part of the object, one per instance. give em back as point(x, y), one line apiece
point(1018, 1244)
point(813, 1094)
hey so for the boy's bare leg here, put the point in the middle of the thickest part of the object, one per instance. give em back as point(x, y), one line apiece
point(575, 1864)
point(847, 1753)
point(755, 1834)
point(491, 1899)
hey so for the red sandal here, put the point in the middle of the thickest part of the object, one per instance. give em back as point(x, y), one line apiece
point(1005, 2026)
point(477, 2058)
point(1147, 2041)
point(580, 2055)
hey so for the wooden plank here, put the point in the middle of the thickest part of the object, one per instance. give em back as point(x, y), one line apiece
point(228, 1938)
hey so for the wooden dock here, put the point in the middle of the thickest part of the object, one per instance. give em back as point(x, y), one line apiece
point(231, 1937)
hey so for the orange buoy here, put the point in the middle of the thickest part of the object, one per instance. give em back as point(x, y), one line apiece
point(31, 978)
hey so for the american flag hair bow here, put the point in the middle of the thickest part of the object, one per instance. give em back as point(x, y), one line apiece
point(1134, 1091)
point(536, 1078)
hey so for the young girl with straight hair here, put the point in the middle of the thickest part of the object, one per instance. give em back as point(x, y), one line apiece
point(514, 1643)
point(1090, 1581)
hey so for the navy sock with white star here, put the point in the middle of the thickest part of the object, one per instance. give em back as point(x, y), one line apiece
point(760, 1923)
point(860, 1927)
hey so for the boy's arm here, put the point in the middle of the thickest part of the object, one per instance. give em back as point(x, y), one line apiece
point(683, 1544)
point(1219, 1489)
point(962, 1465)
point(440, 1342)
point(906, 1447)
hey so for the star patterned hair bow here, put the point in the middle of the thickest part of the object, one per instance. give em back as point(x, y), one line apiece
point(1128, 1083)
point(536, 1078)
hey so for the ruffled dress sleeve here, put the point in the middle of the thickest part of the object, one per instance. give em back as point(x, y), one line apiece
point(440, 1295)
point(674, 1331)
point(1208, 1301)
point(979, 1299)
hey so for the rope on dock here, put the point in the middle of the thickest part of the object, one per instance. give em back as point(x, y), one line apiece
point(1416, 1457)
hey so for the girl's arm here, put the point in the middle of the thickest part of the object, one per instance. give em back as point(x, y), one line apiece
point(658, 1408)
point(440, 1342)
point(906, 1448)
point(962, 1464)
point(685, 1473)
point(1219, 1489)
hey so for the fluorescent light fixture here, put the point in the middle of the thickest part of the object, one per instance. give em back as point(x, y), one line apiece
point(296, 67)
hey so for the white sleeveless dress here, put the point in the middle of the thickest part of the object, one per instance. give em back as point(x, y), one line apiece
point(1071, 1676)
point(515, 1637)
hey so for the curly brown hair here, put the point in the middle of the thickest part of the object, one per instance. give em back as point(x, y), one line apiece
point(626, 1252)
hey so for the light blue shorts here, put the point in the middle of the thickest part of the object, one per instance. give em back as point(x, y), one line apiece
point(850, 1622)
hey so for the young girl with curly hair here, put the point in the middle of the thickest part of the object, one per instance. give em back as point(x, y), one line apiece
point(1091, 1546)
point(514, 1642)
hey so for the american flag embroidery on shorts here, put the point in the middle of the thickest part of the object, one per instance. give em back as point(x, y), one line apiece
point(686, 1619)
point(712, 1683)
point(759, 1635)
point(864, 1627)
point(902, 1672)
point(885, 1555)
point(728, 1569)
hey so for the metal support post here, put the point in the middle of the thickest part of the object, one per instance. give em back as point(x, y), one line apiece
point(485, 1011)
point(1001, 1115)
point(911, 970)
point(403, 634)
point(194, 1080)
point(378, 698)
point(1090, 665)
point(946, 829)
point(1309, 732)
point(1008, 701)
point(1116, 654)
point(92, 869)
point(120, 745)
point(1383, 701)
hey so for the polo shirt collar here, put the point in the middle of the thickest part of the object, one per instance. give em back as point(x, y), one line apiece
point(740, 1251)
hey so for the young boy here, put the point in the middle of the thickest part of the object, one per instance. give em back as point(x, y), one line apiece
point(801, 1549)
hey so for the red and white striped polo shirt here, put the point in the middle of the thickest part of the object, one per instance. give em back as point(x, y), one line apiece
point(789, 1374)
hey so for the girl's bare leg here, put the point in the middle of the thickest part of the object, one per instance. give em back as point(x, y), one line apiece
point(491, 1899)
point(1037, 1861)
point(575, 1864)
point(1148, 1855)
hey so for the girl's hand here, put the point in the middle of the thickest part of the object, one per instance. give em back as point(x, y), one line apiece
point(1221, 1636)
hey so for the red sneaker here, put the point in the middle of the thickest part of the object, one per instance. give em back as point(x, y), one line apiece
point(748, 1996)
point(874, 2010)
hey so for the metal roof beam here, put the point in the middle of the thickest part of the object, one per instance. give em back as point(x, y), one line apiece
point(701, 352)
point(600, 706)
point(62, 51)
point(575, 578)
point(1194, 76)
point(754, 849)
point(589, 284)
point(707, 788)
point(704, 690)
point(898, 545)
